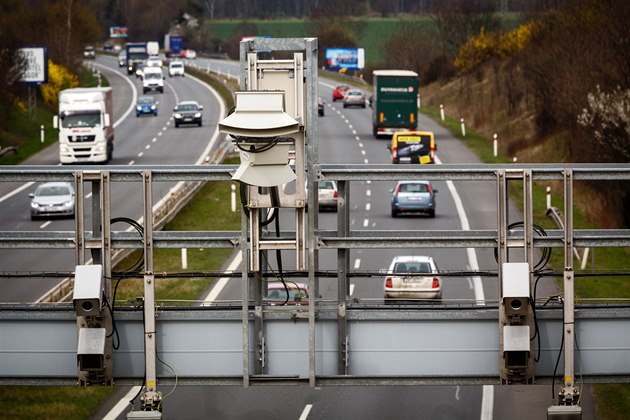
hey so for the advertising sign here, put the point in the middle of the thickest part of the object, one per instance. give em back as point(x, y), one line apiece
point(345, 58)
point(36, 70)
point(118, 32)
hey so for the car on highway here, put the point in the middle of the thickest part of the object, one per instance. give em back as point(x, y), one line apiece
point(320, 107)
point(413, 197)
point(52, 199)
point(412, 277)
point(154, 61)
point(339, 92)
point(187, 112)
point(89, 52)
point(122, 58)
point(327, 195)
point(354, 97)
point(191, 54)
point(147, 105)
point(152, 79)
point(277, 293)
point(175, 68)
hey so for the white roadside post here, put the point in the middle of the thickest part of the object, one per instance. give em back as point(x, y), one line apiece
point(41, 133)
point(442, 111)
point(184, 258)
point(495, 145)
point(463, 127)
point(548, 197)
point(233, 198)
point(419, 102)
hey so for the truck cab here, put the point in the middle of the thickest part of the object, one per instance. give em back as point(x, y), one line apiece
point(152, 79)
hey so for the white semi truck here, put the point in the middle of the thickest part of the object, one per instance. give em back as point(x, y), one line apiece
point(86, 133)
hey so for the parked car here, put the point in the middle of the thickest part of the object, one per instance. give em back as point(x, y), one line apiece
point(413, 197)
point(412, 277)
point(320, 107)
point(354, 97)
point(122, 58)
point(339, 92)
point(146, 105)
point(187, 112)
point(277, 293)
point(176, 68)
point(52, 199)
point(192, 54)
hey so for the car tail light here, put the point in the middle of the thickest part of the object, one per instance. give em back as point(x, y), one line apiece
point(397, 190)
point(412, 117)
point(436, 283)
point(428, 188)
point(388, 283)
point(335, 194)
point(381, 117)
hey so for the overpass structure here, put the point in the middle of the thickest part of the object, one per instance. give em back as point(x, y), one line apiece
point(509, 338)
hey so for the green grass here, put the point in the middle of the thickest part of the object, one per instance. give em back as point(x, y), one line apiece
point(51, 402)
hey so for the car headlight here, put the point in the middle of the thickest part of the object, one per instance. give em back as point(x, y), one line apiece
point(198, 115)
point(99, 149)
point(153, 107)
point(68, 203)
point(34, 205)
point(178, 116)
point(139, 108)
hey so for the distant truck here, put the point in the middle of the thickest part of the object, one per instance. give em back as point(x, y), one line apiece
point(137, 55)
point(394, 102)
point(86, 133)
point(153, 48)
point(173, 45)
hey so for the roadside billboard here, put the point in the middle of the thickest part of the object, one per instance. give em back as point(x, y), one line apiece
point(118, 32)
point(36, 70)
point(345, 58)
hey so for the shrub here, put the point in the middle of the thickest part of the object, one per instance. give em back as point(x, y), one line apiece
point(59, 78)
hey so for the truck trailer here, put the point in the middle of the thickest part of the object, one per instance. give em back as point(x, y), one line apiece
point(394, 102)
point(137, 55)
point(86, 133)
point(173, 45)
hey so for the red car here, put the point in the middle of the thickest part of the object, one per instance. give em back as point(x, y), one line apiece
point(340, 92)
point(277, 293)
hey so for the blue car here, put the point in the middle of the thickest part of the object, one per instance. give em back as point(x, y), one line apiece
point(146, 105)
point(413, 197)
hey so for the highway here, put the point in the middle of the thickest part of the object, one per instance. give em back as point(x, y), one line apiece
point(345, 137)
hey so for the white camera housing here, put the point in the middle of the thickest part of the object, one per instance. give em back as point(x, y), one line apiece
point(516, 288)
point(91, 349)
point(516, 345)
point(89, 285)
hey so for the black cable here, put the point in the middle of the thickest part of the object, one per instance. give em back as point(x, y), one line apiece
point(275, 202)
point(268, 144)
point(116, 342)
point(546, 252)
point(243, 192)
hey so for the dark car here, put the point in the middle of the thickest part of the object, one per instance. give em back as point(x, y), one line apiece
point(147, 105)
point(187, 112)
point(413, 197)
point(52, 199)
point(340, 92)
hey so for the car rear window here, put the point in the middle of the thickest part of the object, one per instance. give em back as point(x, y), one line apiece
point(412, 267)
point(325, 185)
point(414, 188)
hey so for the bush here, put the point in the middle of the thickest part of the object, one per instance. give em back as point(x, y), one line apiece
point(59, 78)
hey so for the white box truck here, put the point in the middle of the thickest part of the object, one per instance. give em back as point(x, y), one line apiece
point(86, 133)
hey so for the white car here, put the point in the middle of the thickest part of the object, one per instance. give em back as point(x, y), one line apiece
point(154, 61)
point(176, 68)
point(52, 199)
point(412, 277)
point(191, 54)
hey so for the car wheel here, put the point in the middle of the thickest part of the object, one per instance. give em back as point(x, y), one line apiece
point(431, 213)
point(176, 125)
point(144, 91)
point(394, 213)
point(155, 114)
point(345, 106)
point(200, 123)
point(33, 217)
point(137, 115)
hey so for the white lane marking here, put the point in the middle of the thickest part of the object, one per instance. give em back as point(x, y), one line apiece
point(366, 222)
point(147, 147)
point(350, 127)
point(160, 133)
point(131, 162)
point(88, 195)
point(487, 402)
point(357, 263)
point(368, 206)
point(368, 192)
point(16, 191)
point(351, 288)
point(306, 411)
point(154, 139)
point(363, 152)
point(220, 284)
point(366, 161)
point(354, 131)
point(164, 128)
point(472, 255)
point(122, 405)
point(357, 138)
point(368, 182)
point(140, 154)
point(43, 225)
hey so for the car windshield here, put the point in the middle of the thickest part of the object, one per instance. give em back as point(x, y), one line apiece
point(414, 188)
point(412, 267)
point(80, 120)
point(152, 76)
point(354, 93)
point(146, 101)
point(48, 190)
point(325, 185)
point(187, 107)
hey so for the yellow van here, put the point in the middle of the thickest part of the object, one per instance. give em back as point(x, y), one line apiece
point(412, 147)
